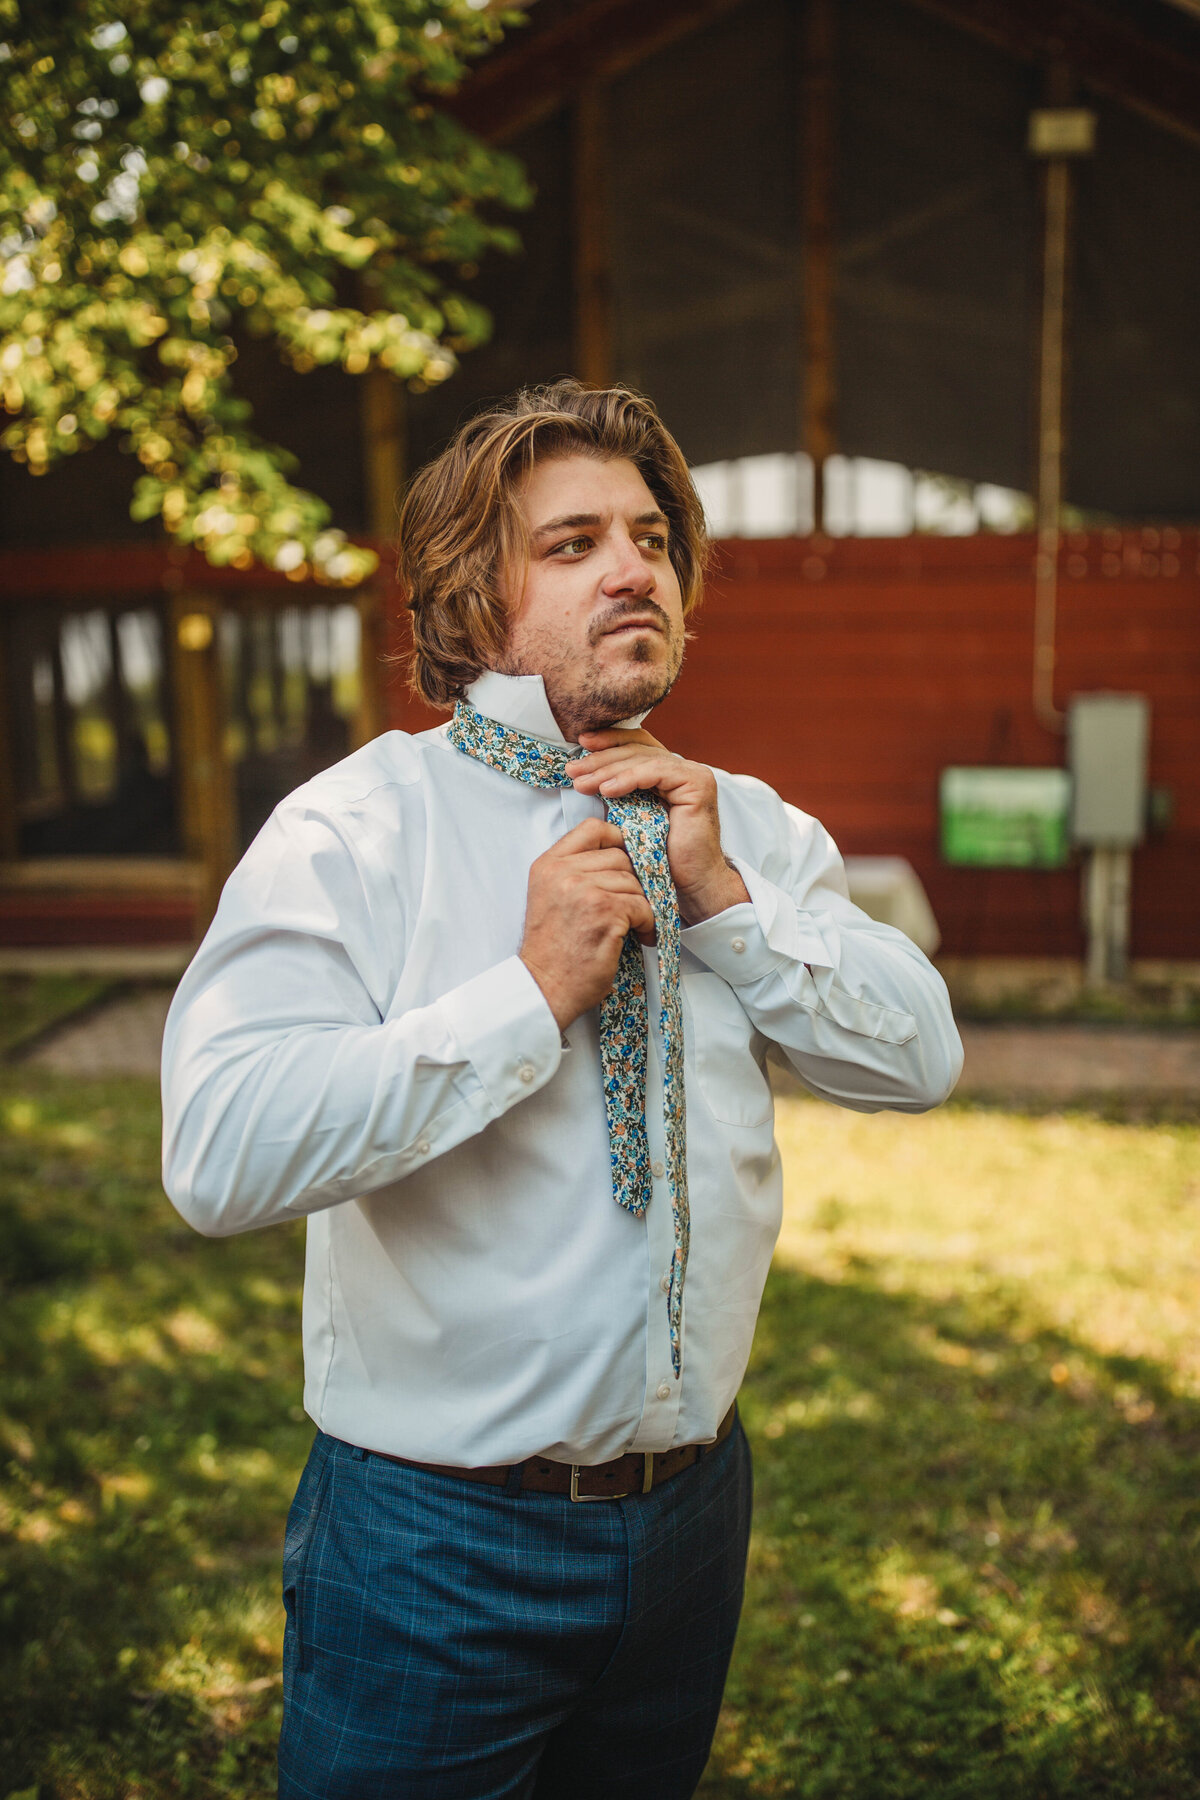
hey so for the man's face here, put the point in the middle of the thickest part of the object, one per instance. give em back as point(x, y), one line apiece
point(597, 613)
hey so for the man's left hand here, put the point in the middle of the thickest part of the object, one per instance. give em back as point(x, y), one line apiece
point(617, 762)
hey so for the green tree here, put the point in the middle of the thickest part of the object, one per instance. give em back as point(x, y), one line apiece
point(176, 174)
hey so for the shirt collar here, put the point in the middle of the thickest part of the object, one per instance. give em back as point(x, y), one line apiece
point(519, 701)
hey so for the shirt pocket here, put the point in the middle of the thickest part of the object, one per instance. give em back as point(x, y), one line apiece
point(724, 1042)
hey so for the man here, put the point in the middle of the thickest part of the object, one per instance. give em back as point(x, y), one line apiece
point(490, 1005)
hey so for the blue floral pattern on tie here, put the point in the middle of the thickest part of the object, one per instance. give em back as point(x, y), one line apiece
point(641, 818)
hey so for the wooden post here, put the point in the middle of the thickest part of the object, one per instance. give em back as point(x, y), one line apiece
point(203, 774)
point(384, 460)
point(593, 240)
point(383, 450)
point(64, 736)
point(818, 418)
point(368, 720)
point(8, 773)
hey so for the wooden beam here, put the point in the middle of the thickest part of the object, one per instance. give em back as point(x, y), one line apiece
point(204, 777)
point(383, 450)
point(543, 67)
point(1112, 57)
point(818, 426)
point(593, 239)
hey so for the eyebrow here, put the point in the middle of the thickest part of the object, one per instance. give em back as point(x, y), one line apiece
point(571, 521)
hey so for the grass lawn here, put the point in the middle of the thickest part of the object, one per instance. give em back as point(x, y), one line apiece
point(975, 1405)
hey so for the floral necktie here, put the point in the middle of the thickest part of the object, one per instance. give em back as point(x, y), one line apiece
point(641, 818)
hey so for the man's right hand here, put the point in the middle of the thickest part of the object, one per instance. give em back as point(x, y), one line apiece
point(583, 901)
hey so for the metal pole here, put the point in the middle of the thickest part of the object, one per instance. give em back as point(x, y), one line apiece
point(1107, 878)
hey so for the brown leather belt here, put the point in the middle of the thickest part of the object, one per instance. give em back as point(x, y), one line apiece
point(637, 1472)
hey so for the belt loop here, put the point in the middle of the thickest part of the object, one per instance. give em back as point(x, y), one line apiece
point(358, 1454)
point(648, 1472)
point(515, 1479)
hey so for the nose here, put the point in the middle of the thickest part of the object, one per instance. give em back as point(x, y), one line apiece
point(628, 572)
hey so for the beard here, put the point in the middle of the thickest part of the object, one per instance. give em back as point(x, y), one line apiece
point(583, 697)
point(599, 701)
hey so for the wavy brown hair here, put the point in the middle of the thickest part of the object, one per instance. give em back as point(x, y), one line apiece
point(461, 523)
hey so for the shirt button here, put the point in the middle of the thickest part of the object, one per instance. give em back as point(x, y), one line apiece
point(738, 944)
point(422, 1146)
point(527, 1072)
point(664, 1282)
point(663, 1390)
point(657, 1170)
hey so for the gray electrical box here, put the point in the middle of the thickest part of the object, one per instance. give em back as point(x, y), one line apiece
point(1108, 738)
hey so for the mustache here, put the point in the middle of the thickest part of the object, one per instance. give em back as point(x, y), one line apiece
point(629, 609)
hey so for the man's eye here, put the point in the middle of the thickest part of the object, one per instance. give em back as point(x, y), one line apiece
point(655, 540)
point(572, 546)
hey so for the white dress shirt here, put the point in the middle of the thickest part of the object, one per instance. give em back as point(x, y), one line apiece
point(358, 1041)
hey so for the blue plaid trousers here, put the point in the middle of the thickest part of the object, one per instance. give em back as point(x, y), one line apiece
point(447, 1640)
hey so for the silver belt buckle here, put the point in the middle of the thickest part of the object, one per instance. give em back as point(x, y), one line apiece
point(647, 1482)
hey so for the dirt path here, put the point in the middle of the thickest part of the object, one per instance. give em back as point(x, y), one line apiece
point(1056, 1061)
point(122, 1038)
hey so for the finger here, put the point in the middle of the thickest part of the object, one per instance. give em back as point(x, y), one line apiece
point(593, 834)
point(589, 861)
point(609, 754)
point(667, 777)
point(633, 907)
point(642, 924)
point(602, 740)
point(627, 887)
point(652, 768)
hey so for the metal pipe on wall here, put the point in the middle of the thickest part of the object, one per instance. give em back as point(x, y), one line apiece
point(594, 356)
point(1050, 438)
point(1057, 134)
point(818, 430)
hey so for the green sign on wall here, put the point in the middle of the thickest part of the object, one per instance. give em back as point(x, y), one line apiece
point(1006, 818)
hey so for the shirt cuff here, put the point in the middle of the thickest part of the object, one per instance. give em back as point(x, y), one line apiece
point(504, 1028)
point(746, 942)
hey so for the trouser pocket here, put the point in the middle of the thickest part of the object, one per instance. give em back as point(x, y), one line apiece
point(303, 1516)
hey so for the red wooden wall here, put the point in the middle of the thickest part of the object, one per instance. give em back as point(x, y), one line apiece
point(848, 674)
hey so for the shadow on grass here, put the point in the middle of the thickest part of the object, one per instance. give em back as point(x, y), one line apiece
point(150, 1438)
point(973, 1571)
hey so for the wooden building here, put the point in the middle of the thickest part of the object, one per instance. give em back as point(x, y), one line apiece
point(816, 232)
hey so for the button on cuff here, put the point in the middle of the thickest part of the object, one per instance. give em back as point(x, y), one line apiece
point(505, 1031)
point(733, 945)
